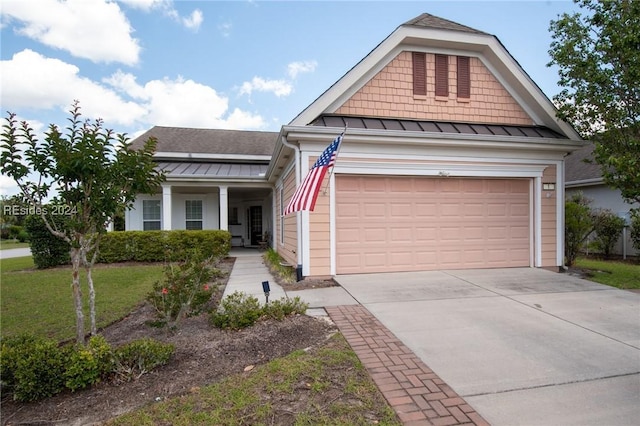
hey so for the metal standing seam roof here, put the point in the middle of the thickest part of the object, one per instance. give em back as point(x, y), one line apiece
point(184, 169)
point(436, 126)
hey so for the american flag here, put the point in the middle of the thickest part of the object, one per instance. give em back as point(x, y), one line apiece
point(307, 193)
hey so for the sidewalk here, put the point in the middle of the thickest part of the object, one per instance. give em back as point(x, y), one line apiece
point(416, 393)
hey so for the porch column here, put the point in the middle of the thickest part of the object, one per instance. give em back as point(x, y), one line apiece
point(166, 207)
point(224, 208)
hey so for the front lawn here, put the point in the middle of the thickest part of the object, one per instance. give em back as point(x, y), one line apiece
point(624, 275)
point(41, 302)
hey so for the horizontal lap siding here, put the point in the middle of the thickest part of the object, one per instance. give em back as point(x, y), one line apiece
point(404, 224)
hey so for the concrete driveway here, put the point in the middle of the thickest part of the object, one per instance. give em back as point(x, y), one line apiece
point(521, 346)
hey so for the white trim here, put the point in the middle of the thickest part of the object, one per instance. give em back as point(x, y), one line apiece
point(560, 221)
point(304, 254)
point(532, 223)
point(166, 208)
point(332, 225)
point(223, 206)
point(441, 170)
point(537, 196)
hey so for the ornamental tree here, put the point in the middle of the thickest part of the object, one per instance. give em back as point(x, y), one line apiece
point(598, 55)
point(90, 173)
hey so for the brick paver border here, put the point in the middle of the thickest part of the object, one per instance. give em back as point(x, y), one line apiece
point(416, 393)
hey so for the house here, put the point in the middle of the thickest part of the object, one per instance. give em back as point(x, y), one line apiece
point(584, 175)
point(453, 158)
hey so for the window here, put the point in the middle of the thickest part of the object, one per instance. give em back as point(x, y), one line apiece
point(464, 77)
point(419, 74)
point(233, 216)
point(151, 215)
point(442, 75)
point(193, 210)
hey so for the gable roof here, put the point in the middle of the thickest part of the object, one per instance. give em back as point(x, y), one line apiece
point(430, 33)
point(209, 143)
point(580, 169)
point(431, 21)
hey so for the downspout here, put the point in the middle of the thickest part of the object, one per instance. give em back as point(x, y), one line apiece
point(296, 150)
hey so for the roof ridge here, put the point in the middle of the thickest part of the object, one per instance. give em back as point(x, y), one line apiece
point(432, 21)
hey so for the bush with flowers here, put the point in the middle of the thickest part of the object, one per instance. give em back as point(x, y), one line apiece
point(185, 289)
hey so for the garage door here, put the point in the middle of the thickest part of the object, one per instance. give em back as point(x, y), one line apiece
point(390, 224)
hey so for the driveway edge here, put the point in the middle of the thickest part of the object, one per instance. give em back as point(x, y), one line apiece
point(413, 390)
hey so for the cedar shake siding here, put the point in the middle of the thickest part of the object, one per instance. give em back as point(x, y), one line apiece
point(391, 94)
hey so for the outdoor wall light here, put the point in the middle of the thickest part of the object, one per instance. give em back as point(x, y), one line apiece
point(549, 186)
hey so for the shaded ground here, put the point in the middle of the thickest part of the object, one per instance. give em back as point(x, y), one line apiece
point(203, 355)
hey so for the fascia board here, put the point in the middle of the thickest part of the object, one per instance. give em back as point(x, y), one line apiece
point(584, 182)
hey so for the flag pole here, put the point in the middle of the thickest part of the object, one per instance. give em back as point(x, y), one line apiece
point(344, 132)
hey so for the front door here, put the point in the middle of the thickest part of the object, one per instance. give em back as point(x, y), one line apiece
point(255, 224)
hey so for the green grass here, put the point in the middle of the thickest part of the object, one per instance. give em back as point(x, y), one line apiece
point(12, 244)
point(623, 275)
point(303, 388)
point(41, 302)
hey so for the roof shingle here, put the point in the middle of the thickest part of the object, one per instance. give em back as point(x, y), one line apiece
point(209, 141)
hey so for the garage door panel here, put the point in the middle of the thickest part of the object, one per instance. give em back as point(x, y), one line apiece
point(431, 223)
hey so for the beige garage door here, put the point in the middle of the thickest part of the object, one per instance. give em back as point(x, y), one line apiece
point(387, 224)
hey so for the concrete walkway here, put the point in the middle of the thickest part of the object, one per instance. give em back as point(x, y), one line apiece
point(19, 252)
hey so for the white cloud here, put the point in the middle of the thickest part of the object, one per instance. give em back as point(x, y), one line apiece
point(7, 186)
point(225, 29)
point(191, 22)
point(295, 68)
point(92, 29)
point(118, 99)
point(24, 85)
point(183, 102)
point(277, 87)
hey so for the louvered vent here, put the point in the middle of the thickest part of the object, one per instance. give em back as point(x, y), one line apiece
point(464, 77)
point(419, 74)
point(442, 75)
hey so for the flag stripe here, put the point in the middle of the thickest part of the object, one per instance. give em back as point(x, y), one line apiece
point(307, 193)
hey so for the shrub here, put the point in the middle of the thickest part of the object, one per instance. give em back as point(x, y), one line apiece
point(578, 226)
point(87, 365)
point(47, 250)
point(608, 229)
point(237, 311)
point(139, 357)
point(14, 231)
point(160, 246)
point(32, 367)
point(283, 307)
point(184, 291)
point(23, 236)
point(635, 228)
point(282, 272)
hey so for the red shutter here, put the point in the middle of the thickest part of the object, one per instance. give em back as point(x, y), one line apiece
point(419, 73)
point(442, 75)
point(464, 77)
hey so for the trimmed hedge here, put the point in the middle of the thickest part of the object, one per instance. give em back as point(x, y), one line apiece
point(47, 250)
point(160, 246)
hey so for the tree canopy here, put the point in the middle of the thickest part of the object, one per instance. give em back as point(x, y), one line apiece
point(597, 51)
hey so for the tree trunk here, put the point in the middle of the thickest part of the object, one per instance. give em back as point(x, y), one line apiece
point(77, 293)
point(92, 292)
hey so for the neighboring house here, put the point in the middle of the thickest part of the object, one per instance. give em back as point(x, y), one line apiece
point(453, 158)
point(582, 174)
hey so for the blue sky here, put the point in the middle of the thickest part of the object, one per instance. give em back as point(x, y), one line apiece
point(219, 64)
